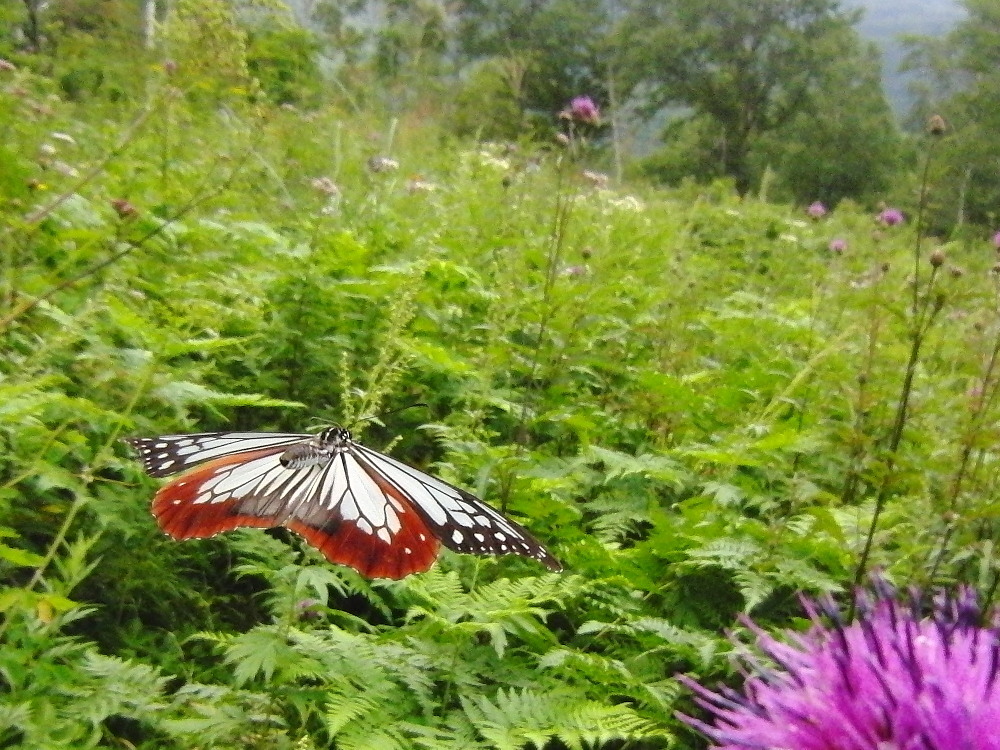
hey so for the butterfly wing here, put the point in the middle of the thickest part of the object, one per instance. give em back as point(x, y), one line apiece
point(360, 508)
point(459, 520)
point(170, 454)
point(238, 480)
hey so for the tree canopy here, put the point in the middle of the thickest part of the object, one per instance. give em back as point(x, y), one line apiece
point(960, 79)
point(749, 66)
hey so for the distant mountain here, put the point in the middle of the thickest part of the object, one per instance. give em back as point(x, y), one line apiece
point(885, 20)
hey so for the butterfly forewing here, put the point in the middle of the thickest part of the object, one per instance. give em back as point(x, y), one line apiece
point(357, 506)
point(461, 521)
point(171, 454)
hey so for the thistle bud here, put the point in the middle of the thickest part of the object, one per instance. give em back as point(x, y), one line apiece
point(937, 257)
point(936, 125)
point(123, 208)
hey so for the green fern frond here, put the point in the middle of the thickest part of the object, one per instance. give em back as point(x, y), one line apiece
point(753, 587)
point(727, 552)
point(515, 718)
point(126, 688)
point(374, 738)
point(346, 706)
point(659, 467)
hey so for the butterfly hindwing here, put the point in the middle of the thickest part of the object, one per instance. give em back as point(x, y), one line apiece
point(336, 507)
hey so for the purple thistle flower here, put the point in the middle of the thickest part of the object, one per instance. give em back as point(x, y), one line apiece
point(890, 679)
point(996, 241)
point(890, 217)
point(838, 245)
point(308, 609)
point(816, 210)
point(582, 109)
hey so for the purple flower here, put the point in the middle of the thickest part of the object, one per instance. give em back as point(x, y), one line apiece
point(996, 240)
point(582, 109)
point(890, 679)
point(838, 245)
point(890, 217)
point(308, 609)
point(816, 210)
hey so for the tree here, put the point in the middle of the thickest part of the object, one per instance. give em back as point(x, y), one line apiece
point(964, 69)
point(846, 144)
point(559, 42)
point(749, 65)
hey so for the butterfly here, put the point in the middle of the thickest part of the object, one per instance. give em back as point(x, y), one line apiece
point(358, 507)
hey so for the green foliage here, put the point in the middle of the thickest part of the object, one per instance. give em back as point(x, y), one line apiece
point(209, 47)
point(958, 80)
point(692, 401)
point(488, 104)
point(748, 66)
point(845, 146)
point(558, 42)
point(285, 62)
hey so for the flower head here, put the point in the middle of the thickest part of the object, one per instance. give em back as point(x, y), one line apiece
point(890, 679)
point(324, 185)
point(996, 241)
point(890, 217)
point(124, 208)
point(308, 609)
point(597, 179)
point(582, 109)
point(418, 184)
point(379, 164)
point(816, 210)
point(838, 245)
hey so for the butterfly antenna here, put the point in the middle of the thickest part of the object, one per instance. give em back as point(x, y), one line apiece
point(378, 419)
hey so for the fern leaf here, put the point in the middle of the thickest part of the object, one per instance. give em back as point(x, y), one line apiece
point(514, 718)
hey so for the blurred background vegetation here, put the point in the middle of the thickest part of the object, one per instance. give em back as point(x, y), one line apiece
point(786, 97)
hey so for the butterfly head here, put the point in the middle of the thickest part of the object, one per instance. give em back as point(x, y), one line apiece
point(334, 437)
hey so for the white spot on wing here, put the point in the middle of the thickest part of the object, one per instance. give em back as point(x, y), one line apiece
point(392, 521)
point(370, 500)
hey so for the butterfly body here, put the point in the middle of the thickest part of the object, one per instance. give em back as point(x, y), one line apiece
point(357, 506)
point(318, 451)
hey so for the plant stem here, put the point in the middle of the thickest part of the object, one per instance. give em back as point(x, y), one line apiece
point(922, 313)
